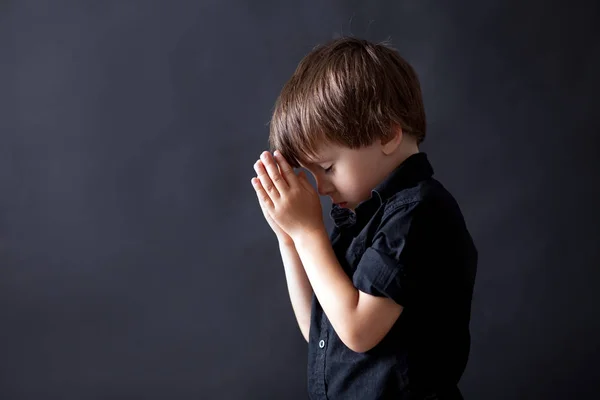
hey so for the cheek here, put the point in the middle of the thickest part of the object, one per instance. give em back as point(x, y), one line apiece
point(352, 188)
point(361, 185)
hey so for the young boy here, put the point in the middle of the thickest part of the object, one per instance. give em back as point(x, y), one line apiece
point(384, 301)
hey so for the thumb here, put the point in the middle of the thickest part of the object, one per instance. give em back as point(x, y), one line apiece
point(302, 176)
point(304, 179)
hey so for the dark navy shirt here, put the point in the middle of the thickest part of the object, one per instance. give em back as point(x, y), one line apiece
point(408, 242)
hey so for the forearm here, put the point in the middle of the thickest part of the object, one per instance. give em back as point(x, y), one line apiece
point(334, 290)
point(298, 285)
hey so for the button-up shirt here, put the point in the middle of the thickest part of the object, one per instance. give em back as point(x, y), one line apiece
point(408, 242)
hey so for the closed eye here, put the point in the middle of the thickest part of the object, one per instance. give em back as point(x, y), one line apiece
point(327, 170)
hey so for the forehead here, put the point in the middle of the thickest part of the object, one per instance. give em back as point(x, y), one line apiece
point(323, 153)
point(314, 160)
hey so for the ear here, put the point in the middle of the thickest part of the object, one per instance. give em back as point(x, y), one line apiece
point(390, 144)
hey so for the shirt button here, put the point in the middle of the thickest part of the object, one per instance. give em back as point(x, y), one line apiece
point(322, 344)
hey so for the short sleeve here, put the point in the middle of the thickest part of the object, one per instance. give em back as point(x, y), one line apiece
point(381, 270)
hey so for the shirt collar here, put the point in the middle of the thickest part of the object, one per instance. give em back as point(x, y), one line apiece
point(411, 171)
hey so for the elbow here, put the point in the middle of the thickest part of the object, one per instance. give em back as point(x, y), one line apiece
point(357, 343)
point(305, 329)
point(357, 346)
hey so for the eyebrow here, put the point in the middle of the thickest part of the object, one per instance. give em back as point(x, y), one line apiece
point(314, 163)
point(318, 161)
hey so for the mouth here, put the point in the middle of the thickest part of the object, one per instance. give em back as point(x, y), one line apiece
point(342, 204)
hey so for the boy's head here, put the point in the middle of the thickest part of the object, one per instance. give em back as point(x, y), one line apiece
point(354, 104)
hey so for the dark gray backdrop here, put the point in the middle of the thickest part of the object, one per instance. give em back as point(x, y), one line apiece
point(134, 260)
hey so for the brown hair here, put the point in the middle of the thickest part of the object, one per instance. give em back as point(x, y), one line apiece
point(349, 92)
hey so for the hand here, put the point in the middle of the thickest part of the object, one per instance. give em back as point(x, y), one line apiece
point(282, 237)
point(289, 200)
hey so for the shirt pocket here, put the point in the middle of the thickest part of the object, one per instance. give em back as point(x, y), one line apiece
point(354, 253)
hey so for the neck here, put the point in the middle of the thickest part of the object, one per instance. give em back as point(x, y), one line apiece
point(406, 149)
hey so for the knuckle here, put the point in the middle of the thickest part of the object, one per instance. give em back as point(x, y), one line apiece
point(285, 202)
point(277, 178)
point(264, 199)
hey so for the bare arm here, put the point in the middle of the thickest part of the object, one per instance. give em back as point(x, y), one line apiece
point(298, 286)
point(360, 320)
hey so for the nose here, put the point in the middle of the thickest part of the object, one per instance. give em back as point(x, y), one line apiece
point(323, 188)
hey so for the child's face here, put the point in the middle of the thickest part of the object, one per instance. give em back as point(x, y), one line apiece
point(352, 175)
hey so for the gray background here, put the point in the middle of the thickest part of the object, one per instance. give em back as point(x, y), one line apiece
point(134, 260)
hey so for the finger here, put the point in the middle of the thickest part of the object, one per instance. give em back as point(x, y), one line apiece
point(304, 180)
point(273, 171)
point(286, 170)
point(302, 175)
point(263, 197)
point(265, 181)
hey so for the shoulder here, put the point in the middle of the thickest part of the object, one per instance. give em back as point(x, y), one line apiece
point(427, 197)
point(426, 213)
point(404, 203)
